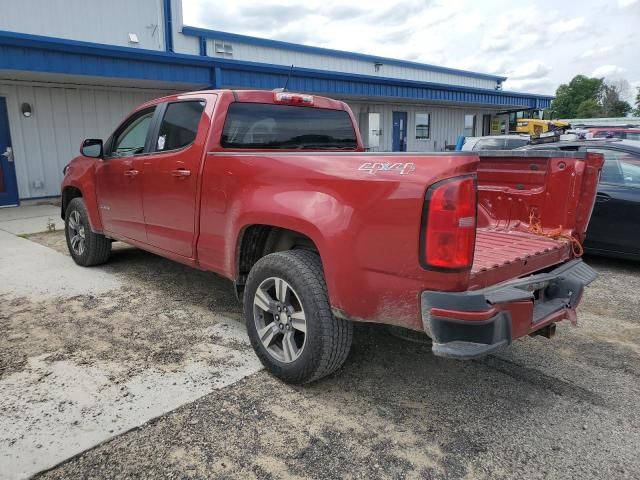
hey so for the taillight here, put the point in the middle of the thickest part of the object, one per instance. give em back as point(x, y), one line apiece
point(293, 98)
point(449, 225)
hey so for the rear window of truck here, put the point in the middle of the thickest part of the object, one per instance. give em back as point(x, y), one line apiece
point(267, 126)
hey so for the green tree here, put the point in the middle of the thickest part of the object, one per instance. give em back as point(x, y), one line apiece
point(636, 112)
point(610, 99)
point(569, 97)
point(587, 109)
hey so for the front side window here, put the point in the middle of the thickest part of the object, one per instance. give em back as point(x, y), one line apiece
point(132, 137)
point(620, 168)
point(179, 126)
point(423, 126)
point(266, 126)
point(469, 125)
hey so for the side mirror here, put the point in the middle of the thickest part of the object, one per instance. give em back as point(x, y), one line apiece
point(91, 147)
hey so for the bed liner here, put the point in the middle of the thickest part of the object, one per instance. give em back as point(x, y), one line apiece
point(502, 255)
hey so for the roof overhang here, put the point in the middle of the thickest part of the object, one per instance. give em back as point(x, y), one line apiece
point(46, 55)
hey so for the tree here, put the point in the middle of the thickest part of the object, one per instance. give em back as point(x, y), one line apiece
point(610, 99)
point(636, 112)
point(569, 97)
point(588, 109)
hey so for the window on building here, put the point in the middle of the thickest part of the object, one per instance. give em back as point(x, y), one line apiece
point(423, 126)
point(469, 125)
point(258, 125)
point(131, 138)
point(373, 139)
point(179, 126)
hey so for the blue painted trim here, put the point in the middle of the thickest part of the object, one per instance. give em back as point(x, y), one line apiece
point(296, 47)
point(202, 41)
point(341, 85)
point(217, 78)
point(46, 54)
point(328, 74)
point(168, 26)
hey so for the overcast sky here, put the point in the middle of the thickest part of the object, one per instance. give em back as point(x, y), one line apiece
point(537, 44)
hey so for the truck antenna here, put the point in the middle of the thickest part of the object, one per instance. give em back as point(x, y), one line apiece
point(288, 77)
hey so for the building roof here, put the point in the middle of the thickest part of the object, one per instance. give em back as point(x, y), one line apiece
point(296, 47)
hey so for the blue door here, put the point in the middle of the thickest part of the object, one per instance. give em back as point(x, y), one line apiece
point(8, 185)
point(399, 131)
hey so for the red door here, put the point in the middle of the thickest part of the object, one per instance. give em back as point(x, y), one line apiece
point(119, 179)
point(171, 176)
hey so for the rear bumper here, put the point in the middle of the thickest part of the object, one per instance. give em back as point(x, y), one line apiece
point(467, 325)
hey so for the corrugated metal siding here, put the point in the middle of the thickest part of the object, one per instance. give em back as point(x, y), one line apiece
point(62, 117)
point(254, 53)
point(446, 124)
point(108, 22)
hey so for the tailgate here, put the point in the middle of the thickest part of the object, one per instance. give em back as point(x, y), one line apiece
point(533, 211)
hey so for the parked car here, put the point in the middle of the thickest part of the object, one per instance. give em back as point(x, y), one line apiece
point(495, 142)
point(614, 132)
point(614, 229)
point(274, 191)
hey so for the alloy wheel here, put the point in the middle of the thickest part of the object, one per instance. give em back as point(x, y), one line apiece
point(280, 319)
point(76, 233)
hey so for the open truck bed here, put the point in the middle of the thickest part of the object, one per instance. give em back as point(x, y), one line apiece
point(533, 212)
point(523, 195)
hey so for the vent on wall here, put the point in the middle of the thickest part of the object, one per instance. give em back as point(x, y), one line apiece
point(222, 48)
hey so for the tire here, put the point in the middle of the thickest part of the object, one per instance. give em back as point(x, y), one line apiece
point(86, 247)
point(326, 342)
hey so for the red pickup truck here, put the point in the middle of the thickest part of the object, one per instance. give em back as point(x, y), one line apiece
point(274, 191)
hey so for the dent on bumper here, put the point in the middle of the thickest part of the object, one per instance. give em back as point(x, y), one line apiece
point(465, 339)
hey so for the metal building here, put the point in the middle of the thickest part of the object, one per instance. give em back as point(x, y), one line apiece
point(72, 70)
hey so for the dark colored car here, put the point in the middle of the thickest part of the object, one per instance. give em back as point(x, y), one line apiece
point(614, 229)
point(615, 132)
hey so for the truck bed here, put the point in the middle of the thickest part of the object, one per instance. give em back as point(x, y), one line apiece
point(503, 255)
point(552, 190)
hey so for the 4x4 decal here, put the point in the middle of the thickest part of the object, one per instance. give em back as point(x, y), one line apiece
point(375, 167)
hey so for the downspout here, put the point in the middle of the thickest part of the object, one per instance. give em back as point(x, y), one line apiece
point(168, 26)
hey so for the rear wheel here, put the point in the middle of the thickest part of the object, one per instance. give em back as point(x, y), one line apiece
point(289, 319)
point(86, 247)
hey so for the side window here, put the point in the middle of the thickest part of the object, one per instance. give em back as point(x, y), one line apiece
point(631, 135)
point(489, 144)
point(132, 136)
point(620, 168)
point(179, 126)
point(512, 143)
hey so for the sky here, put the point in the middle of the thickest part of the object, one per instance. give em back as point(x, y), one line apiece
point(536, 44)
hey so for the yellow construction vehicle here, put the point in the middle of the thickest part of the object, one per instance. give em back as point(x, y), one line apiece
point(535, 127)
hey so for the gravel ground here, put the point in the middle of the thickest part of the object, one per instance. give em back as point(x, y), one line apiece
point(561, 408)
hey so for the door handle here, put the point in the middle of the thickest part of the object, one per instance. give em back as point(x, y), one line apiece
point(131, 173)
point(602, 197)
point(9, 154)
point(181, 172)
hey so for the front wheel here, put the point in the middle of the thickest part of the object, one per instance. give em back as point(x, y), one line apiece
point(289, 319)
point(86, 247)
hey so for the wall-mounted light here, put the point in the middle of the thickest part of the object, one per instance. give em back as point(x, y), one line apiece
point(376, 66)
point(133, 38)
point(25, 108)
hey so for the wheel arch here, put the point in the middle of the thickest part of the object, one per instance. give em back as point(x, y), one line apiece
point(257, 240)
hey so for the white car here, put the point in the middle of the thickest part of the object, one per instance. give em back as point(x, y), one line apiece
point(495, 142)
